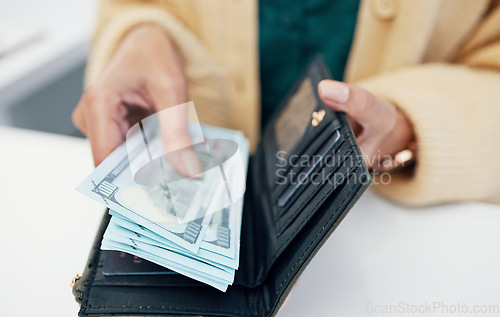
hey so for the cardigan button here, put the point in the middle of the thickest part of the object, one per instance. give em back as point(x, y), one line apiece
point(384, 9)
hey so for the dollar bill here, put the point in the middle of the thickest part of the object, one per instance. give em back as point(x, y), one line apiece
point(159, 258)
point(212, 269)
point(190, 225)
point(123, 227)
point(112, 183)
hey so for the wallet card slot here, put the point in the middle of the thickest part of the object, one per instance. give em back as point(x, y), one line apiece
point(312, 133)
point(306, 171)
point(335, 194)
point(316, 194)
point(316, 229)
point(142, 280)
point(328, 164)
point(153, 280)
point(296, 162)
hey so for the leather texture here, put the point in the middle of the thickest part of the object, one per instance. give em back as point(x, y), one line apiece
point(277, 242)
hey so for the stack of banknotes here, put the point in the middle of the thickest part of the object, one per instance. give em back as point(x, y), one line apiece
point(190, 225)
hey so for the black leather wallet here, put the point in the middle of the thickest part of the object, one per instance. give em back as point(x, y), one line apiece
point(306, 174)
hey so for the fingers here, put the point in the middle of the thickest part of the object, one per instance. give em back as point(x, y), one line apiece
point(170, 101)
point(96, 118)
point(375, 116)
point(177, 141)
point(144, 76)
point(169, 98)
point(358, 103)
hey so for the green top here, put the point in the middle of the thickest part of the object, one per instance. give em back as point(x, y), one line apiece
point(292, 33)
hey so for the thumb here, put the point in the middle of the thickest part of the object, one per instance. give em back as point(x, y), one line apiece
point(357, 103)
point(96, 116)
point(169, 101)
point(370, 112)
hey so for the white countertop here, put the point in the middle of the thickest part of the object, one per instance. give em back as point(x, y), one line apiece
point(382, 254)
point(417, 259)
point(47, 226)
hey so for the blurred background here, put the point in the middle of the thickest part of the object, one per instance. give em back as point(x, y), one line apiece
point(43, 51)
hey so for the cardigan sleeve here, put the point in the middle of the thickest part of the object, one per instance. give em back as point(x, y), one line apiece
point(117, 17)
point(177, 18)
point(455, 112)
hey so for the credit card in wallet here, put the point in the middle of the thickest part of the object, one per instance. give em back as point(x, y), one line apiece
point(121, 263)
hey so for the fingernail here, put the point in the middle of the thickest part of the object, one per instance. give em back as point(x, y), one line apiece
point(334, 91)
point(191, 163)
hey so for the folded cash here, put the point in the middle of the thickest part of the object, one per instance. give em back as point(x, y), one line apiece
point(190, 225)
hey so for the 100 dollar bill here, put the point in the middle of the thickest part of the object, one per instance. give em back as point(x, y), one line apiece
point(112, 183)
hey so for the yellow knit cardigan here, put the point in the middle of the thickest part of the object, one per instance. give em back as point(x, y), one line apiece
point(438, 60)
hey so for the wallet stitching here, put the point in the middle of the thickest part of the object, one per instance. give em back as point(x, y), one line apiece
point(182, 309)
point(89, 307)
point(92, 277)
point(309, 246)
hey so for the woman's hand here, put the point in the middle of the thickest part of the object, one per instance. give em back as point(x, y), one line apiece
point(144, 76)
point(381, 129)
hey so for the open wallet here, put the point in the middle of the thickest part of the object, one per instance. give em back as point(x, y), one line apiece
point(304, 177)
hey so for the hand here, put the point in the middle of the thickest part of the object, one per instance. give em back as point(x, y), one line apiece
point(144, 76)
point(381, 129)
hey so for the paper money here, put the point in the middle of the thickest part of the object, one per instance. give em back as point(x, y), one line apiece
point(189, 225)
point(206, 252)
